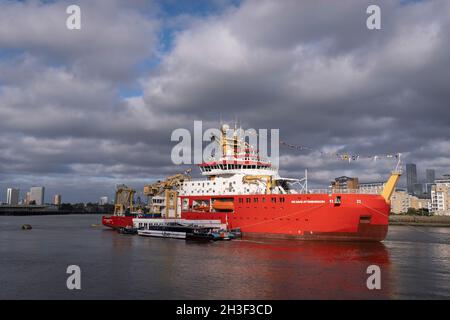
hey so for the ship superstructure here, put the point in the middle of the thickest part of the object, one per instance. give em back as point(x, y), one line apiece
point(240, 170)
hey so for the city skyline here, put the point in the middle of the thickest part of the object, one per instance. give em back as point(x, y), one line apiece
point(84, 110)
point(424, 180)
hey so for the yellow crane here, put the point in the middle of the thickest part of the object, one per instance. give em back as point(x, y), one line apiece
point(391, 183)
point(168, 191)
point(259, 178)
point(123, 199)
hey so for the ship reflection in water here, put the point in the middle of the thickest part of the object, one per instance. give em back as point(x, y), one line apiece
point(414, 263)
point(287, 269)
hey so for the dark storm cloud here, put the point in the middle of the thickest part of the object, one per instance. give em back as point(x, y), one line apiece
point(310, 68)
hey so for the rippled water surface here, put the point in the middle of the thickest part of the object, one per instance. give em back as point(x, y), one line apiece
point(414, 262)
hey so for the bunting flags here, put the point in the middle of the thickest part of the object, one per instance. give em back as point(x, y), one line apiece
point(346, 156)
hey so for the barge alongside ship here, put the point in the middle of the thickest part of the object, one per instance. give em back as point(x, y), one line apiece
point(243, 191)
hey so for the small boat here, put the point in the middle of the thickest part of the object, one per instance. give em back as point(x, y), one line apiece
point(201, 234)
point(184, 231)
point(128, 230)
point(167, 230)
point(225, 206)
point(201, 207)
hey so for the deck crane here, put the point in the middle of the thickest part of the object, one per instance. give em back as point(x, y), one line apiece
point(123, 200)
point(163, 195)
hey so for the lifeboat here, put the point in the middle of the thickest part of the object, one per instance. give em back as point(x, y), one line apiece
point(201, 207)
point(223, 205)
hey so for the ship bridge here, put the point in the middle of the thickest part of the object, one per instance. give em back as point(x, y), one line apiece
point(237, 157)
point(238, 170)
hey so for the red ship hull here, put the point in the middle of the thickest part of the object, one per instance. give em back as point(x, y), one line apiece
point(358, 217)
point(117, 222)
point(352, 217)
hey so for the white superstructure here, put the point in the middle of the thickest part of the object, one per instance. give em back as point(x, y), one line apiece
point(239, 171)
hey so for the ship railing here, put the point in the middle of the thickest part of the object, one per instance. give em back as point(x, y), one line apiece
point(343, 191)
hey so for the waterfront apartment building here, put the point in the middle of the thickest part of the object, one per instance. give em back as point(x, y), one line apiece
point(37, 196)
point(344, 183)
point(440, 196)
point(411, 177)
point(371, 187)
point(401, 201)
point(12, 196)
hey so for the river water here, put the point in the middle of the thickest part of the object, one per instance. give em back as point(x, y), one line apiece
point(414, 264)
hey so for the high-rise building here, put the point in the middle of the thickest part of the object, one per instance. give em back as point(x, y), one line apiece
point(430, 177)
point(57, 199)
point(103, 200)
point(12, 196)
point(411, 177)
point(418, 189)
point(37, 195)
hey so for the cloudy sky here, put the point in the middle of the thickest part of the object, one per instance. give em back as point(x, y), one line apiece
point(83, 110)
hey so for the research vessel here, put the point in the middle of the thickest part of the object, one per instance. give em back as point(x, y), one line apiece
point(245, 192)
